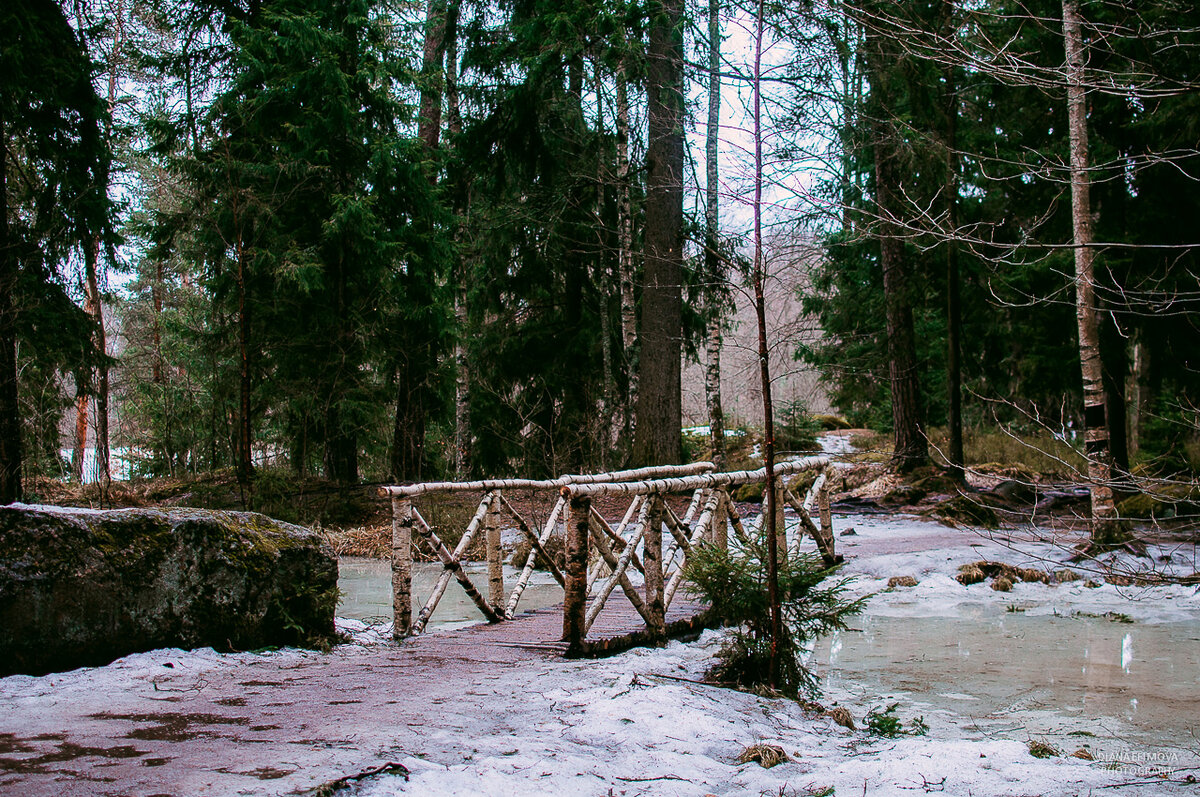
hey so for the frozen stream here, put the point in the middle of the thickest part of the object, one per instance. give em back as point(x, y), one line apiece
point(366, 586)
point(1125, 692)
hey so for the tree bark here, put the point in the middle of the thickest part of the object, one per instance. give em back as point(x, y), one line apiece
point(954, 453)
point(1104, 514)
point(658, 438)
point(429, 125)
point(10, 409)
point(79, 452)
point(462, 364)
point(244, 465)
point(625, 272)
point(911, 450)
point(95, 308)
point(764, 365)
point(715, 273)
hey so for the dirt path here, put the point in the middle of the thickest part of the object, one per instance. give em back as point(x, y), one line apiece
point(279, 723)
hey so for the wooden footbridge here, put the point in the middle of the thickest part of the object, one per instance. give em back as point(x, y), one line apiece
point(650, 545)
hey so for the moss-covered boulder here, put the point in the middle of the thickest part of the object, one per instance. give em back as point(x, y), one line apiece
point(82, 587)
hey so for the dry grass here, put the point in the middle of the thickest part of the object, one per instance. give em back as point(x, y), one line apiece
point(996, 449)
point(371, 541)
point(765, 755)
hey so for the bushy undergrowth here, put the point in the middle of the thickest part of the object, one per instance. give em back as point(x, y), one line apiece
point(735, 583)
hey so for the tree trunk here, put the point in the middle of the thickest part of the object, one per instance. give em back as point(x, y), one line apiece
point(429, 125)
point(244, 465)
point(94, 306)
point(658, 438)
point(408, 434)
point(1137, 392)
point(95, 309)
point(715, 273)
point(625, 254)
point(10, 409)
point(462, 364)
point(79, 452)
point(1104, 514)
point(341, 449)
point(954, 454)
point(911, 449)
point(414, 358)
point(1115, 364)
point(764, 365)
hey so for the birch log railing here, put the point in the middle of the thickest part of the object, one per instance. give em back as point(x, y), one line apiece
point(648, 521)
point(406, 519)
point(663, 571)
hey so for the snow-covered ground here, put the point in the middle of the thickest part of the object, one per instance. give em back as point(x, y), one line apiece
point(626, 725)
point(641, 723)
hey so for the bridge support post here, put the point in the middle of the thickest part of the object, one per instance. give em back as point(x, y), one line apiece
point(576, 588)
point(652, 561)
point(402, 524)
point(495, 560)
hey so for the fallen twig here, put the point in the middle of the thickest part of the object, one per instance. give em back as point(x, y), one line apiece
point(328, 789)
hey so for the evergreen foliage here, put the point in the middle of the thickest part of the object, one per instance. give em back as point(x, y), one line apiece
point(813, 605)
point(54, 172)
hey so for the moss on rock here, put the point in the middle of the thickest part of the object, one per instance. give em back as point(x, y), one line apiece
point(82, 587)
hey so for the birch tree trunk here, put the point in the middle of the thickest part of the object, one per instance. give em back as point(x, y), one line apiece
point(1104, 515)
point(712, 260)
point(625, 253)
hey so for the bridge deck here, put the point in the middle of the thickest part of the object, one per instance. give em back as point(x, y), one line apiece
point(166, 724)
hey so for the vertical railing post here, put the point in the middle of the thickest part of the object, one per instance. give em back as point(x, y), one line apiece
point(575, 592)
point(402, 523)
point(720, 521)
point(826, 545)
point(652, 556)
point(826, 513)
point(491, 528)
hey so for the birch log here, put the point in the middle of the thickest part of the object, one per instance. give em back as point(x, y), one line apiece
point(444, 579)
point(575, 592)
point(652, 559)
point(635, 474)
point(402, 521)
point(527, 571)
point(491, 525)
point(622, 564)
point(688, 483)
point(452, 564)
point(631, 592)
point(534, 541)
point(700, 532)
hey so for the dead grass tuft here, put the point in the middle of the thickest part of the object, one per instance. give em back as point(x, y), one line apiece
point(765, 755)
point(841, 715)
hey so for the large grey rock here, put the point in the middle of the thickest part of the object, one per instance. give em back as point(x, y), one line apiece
point(83, 587)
